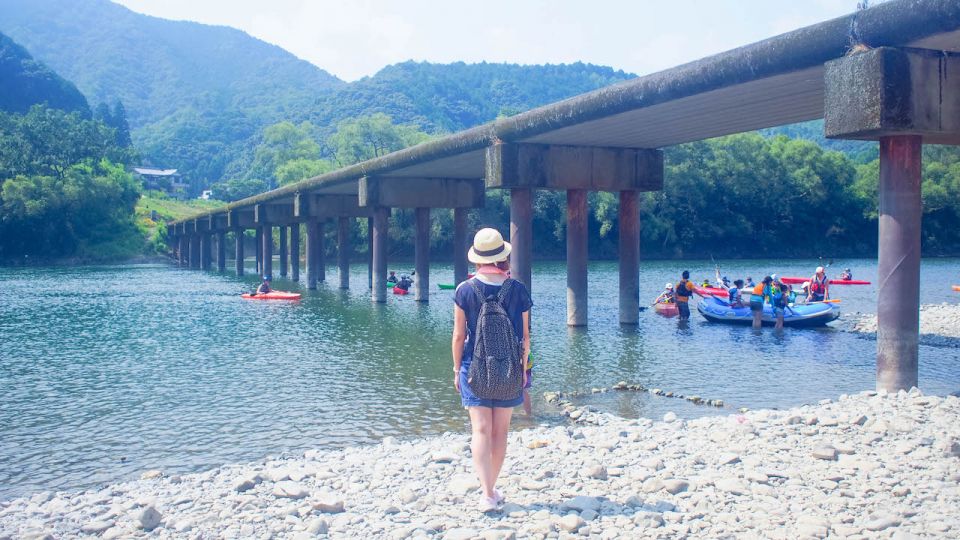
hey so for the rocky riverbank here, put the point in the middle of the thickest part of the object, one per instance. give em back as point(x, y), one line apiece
point(864, 466)
point(939, 325)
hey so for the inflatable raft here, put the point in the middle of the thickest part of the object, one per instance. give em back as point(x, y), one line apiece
point(800, 281)
point(272, 295)
point(816, 314)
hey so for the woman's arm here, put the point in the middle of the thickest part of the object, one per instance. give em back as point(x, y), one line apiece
point(526, 339)
point(459, 337)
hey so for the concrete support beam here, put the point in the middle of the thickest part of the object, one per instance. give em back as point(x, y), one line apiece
point(629, 254)
point(370, 252)
point(195, 251)
point(401, 192)
point(295, 252)
point(903, 98)
point(258, 243)
point(221, 251)
point(267, 250)
point(283, 251)
point(206, 251)
point(460, 244)
point(421, 255)
point(898, 265)
point(315, 262)
point(307, 205)
point(379, 248)
point(539, 166)
point(182, 250)
point(887, 91)
point(521, 236)
point(238, 249)
point(236, 218)
point(273, 213)
point(343, 251)
point(577, 213)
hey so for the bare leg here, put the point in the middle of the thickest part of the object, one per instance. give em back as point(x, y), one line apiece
point(501, 425)
point(527, 404)
point(757, 321)
point(482, 421)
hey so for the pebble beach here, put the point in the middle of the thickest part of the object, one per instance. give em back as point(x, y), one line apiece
point(939, 325)
point(869, 465)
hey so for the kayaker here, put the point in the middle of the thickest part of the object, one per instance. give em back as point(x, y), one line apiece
point(682, 292)
point(846, 275)
point(735, 295)
point(392, 278)
point(404, 283)
point(706, 283)
point(491, 292)
point(666, 297)
point(264, 287)
point(819, 284)
point(761, 292)
point(748, 283)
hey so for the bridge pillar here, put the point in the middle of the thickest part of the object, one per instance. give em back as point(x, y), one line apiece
point(195, 250)
point(459, 245)
point(238, 249)
point(370, 252)
point(577, 213)
point(521, 236)
point(283, 251)
point(629, 254)
point(421, 255)
point(295, 252)
point(259, 250)
point(381, 221)
point(206, 251)
point(903, 98)
point(221, 251)
point(314, 252)
point(267, 250)
point(182, 250)
point(343, 251)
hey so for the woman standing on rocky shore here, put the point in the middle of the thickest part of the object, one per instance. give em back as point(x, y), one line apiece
point(489, 418)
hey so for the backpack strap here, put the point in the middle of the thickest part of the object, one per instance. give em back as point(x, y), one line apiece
point(504, 289)
point(474, 283)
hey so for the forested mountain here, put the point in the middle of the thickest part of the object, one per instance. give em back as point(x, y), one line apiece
point(25, 82)
point(198, 97)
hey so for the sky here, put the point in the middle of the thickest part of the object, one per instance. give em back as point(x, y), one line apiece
point(356, 38)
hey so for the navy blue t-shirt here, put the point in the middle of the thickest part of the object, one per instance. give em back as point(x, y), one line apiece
point(516, 304)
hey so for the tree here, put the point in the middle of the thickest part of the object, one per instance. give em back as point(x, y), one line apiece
point(282, 142)
point(301, 169)
point(370, 137)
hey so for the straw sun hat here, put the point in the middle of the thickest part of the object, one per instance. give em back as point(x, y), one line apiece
point(488, 247)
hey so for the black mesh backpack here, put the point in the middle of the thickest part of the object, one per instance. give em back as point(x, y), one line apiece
point(496, 371)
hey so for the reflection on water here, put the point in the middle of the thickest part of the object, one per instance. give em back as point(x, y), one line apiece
point(108, 371)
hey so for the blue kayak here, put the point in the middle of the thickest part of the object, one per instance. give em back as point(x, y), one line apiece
point(716, 310)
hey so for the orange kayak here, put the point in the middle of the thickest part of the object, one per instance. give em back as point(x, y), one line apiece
point(272, 295)
point(956, 288)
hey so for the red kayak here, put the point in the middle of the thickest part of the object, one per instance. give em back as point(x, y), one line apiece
point(712, 291)
point(272, 295)
point(667, 309)
point(398, 290)
point(800, 281)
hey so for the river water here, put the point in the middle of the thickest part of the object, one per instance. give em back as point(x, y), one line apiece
point(109, 371)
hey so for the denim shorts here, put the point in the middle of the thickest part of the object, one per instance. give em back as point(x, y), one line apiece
point(469, 400)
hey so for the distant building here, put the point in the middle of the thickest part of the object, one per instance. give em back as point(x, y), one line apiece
point(206, 194)
point(167, 180)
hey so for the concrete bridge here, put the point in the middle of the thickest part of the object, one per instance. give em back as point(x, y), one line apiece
point(889, 73)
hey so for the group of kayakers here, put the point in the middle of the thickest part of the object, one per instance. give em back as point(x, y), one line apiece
point(771, 290)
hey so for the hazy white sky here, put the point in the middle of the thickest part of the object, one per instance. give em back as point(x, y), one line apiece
point(356, 38)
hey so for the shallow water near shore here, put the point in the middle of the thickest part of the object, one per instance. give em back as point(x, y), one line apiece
point(108, 371)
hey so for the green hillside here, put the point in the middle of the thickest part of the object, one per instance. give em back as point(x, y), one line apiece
point(198, 97)
point(25, 82)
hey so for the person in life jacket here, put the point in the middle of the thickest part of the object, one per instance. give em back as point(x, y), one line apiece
point(682, 292)
point(761, 292)
point(846, 275)
point(735, 293)
point(780, 300)
point(818, 286)
point(666, 297)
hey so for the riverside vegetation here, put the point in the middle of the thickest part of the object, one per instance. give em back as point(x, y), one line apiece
point(871, 465)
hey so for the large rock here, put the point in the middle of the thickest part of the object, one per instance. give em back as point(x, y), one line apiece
point(149, 518)
point(289, 489)
point(582, 502)
point(463, 484)
point(96, 527)
point(571, 523)
point(461, 533)
point(674, 485)
point(731, 485)
point(828, 453)
point(328, 504)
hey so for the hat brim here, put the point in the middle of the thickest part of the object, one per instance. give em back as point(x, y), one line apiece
point(499, 257)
